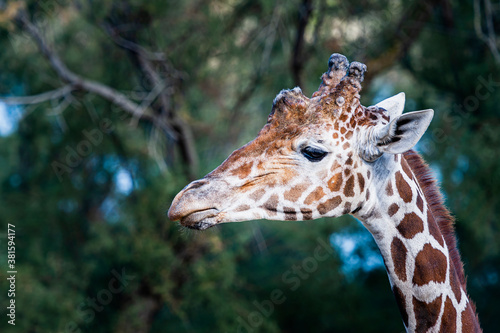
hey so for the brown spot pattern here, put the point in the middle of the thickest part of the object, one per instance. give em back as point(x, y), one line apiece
point(335, 182)
point(426, 314)
point(410, 225)
point(388, 188)
point(406, 169)
point(306, 213)
point(242, 208)
point(348, 135)
point(315, 195)
point(455, 285)
point(290, 214)
point(295, 192)
point(393, 209)
point(349, 160)
point(398, 253)
point(449, 318)
point(272, 204)
point(257, 194)
point(433, 228)
point(420, 202)
point(404, 188)
point(346, 145)
point(329, 205)
point(243, 171)
point(361, 182)
point(430, 265)
point(349, 187)
point(440, 213)
point(347, 208)
point(400, 300)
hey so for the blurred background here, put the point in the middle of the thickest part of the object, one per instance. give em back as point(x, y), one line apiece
point(109, 108)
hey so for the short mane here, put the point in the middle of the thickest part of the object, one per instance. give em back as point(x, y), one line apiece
point(440, 213)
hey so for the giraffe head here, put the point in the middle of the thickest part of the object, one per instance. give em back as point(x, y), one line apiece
point(315, 157)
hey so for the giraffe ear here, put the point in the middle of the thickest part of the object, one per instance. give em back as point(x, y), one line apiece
point(394, 105)
point(403, 133)
point(400, 135)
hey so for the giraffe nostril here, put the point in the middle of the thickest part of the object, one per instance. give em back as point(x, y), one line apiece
point(197, 184)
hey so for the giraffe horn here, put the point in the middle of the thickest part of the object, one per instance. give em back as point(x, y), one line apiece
point(357, 71)
point(338, 62)
point(337, 69)
point(354, 78)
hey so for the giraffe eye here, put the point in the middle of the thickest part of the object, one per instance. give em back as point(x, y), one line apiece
point(313, 154)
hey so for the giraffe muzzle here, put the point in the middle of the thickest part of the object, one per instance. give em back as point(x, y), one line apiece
point(194, 207)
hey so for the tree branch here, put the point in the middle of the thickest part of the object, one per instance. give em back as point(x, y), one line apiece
point(134, 47)
point(97, 88)
point(40, 98)
point(173, 127)
point(185, 139)
point(489, 39)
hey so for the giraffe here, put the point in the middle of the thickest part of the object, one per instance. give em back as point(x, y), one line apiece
point(327, 156)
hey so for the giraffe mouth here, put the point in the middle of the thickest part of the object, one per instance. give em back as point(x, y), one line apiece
point(201, 219)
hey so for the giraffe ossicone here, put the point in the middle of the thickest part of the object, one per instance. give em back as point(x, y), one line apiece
point(327, 156)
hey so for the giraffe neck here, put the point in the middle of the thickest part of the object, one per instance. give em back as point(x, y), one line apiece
point(426, 275)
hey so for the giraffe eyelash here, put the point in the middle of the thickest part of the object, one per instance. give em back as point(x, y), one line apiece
point(313, 154)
